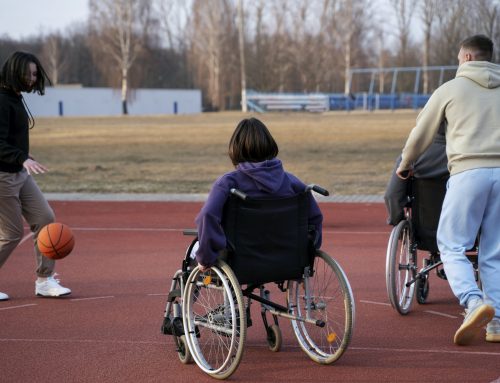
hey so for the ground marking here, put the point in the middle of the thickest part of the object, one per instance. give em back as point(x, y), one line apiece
point(441, 314)
point(26, 237)
point(375, 303)
point(18, 307)
point(91, 298)
point(425, 311)
point(374, 349)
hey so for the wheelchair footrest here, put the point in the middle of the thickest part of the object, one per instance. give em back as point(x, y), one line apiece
point(172, 326)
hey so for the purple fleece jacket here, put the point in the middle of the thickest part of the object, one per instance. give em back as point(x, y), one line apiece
point(258, 180)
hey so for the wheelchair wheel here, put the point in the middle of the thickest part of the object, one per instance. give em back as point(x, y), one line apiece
point(183, 350)
point(422, 289)
point(274, 338)
point(214, 320)
point(324, 303)
point(401, 267)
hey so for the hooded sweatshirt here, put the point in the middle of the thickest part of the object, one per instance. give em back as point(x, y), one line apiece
point(258, 180)
point(14, 132)
point(470, 104)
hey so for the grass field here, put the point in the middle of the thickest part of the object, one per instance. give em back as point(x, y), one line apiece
point(347, 153)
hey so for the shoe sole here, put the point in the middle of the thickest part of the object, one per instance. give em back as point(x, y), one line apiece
point(492, 337)
point(52, 296)
point(468, 331)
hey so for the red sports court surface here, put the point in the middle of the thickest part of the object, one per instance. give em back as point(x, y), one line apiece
point(108, 330)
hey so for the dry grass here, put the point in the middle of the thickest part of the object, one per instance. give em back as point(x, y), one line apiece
point(348, 153)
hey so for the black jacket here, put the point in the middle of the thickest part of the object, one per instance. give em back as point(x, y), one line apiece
point(14, 132)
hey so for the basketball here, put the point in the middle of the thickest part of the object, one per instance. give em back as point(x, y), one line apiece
point(55, 240)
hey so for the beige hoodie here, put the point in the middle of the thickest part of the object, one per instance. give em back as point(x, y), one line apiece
point(470, 103)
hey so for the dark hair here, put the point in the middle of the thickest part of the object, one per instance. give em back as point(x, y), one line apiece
point(481, 44)
point(15, 69)
point(251, 142)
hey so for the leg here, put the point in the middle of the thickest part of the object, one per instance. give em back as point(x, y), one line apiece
point(461, 217)
point(489, 246)
point(11, 221)
point(464, 206)
point(396, 197)
point(37, 213)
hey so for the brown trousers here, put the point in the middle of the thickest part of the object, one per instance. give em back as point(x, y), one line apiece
point(20, 197)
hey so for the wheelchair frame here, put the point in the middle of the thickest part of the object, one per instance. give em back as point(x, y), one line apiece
point(404, 280)
point(207, 314)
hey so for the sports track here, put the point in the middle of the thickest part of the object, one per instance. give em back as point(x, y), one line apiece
point(108, 330)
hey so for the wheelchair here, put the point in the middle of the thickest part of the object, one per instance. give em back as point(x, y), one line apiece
point(269, 241)
point(417, 232)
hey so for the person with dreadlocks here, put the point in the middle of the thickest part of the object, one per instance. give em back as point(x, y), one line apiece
point(19, 194)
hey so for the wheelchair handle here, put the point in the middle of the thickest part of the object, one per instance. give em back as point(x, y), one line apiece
point(238, 193)
point(318, 189)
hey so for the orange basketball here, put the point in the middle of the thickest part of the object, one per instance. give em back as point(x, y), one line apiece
point(55, 240)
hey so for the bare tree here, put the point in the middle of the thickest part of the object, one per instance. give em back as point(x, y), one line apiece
point(404, 11)
point(53, 56)
point(241, 41)
point(488, 20)
point(349, 25)
point(121, 26)
point(453, 25)
point(213, 41)
point(427, 16)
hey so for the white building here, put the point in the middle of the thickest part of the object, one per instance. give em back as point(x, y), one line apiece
point(78, 101)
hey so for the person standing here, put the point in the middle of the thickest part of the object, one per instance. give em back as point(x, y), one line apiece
point(19, 194)
point(470, 105)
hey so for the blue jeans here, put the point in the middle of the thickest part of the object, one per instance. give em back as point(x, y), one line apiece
point(472, 202)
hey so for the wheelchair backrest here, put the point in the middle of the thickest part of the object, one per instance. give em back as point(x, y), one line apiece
point(427, 200)
point(267, 238)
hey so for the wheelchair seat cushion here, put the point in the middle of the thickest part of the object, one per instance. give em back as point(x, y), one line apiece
point(267, 239)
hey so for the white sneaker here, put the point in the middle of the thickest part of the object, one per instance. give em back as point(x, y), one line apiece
point(477, 316)
point(493, 331)
point(50, 288)
point(3, 297)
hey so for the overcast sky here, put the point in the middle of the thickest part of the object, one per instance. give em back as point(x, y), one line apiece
point(23, 18)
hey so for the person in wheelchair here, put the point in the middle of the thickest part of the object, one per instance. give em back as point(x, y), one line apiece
point(259, 174)
point(433, 163)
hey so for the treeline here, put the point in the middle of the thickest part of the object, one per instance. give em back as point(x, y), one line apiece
point(289, 45)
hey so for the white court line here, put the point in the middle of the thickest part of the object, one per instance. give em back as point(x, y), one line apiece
point(356, 232)
point(81, 341)
point(154, 295)
point(91, 298)
point(413, 350)
point(441, 314)
point(375, 303)
point(425, 311)
point(124, 229)
point(374, 349)
point(26, 237)
point(18, 307)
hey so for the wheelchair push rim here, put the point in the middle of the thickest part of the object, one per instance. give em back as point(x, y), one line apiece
point(401, 267)
point(214, 320)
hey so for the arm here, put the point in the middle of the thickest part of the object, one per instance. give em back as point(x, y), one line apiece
point(210, 233)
